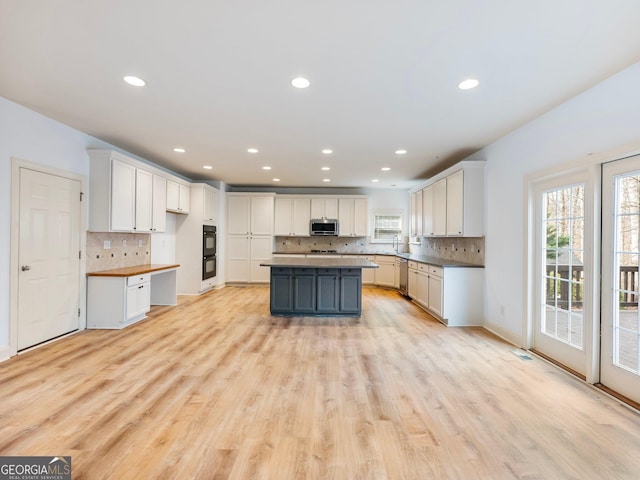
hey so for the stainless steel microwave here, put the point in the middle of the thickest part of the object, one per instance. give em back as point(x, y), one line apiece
point(323, 226)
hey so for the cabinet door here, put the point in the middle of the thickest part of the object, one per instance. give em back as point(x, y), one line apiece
point(360, 217)
point(261, 216)
point(144, 201)
point(138, 300)
point(440, 207)
point(455, 203)
point(324, 208)
point(123, 196)
point(418, 213)
point(350, 292)
point(423, 289)
point(328, 290)
point(281, 292)
point(283, 217)
point(345, 217)
point(238, 251)
point(304, 291)
point(385, 273)
point(210, 204)
point(412, 284)
point(435, 294)
point(301, 216)
point(261, 249)
point(427, 210)
point(173, 196)
point(238, 212)
point(159, 209)
point(184, 193)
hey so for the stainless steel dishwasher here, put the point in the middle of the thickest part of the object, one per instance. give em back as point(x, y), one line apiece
point(404, 276)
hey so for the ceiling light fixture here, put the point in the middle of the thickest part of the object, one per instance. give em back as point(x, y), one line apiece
point(266, 167)
point(385, 169)
point(276, 179)
point(135, 81)
point(468, 84)
point(300, 82)
point(207, 167)
point(326, 179)
point(252, 150)
point(327, 151)
point(326, 168)
point(179, 150)
point(375, 180)
point(400, 152)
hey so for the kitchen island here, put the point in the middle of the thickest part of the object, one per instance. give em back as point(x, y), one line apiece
point(317, 286)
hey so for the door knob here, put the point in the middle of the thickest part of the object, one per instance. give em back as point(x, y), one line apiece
point(25, 268)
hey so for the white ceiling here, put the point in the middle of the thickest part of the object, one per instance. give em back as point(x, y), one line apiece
point(383, 75)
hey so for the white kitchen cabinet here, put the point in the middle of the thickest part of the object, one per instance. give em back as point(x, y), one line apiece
point(439, 212)
point(324, 207)
point(453, 295)
point(189, 252)
point(178, 197)
point(138, 297)
point(121, 194)
point(250, 222)
point(455, 203)
point(427, 210)
point(159, 209)
point(292, 216)
point(115, 302)
point(396, 279)
point(385, 273)
point(352, 217)
point(418, 216)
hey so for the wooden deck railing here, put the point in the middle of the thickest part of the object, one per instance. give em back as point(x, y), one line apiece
point(568, 292)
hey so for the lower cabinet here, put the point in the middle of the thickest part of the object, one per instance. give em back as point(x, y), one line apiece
point(386, 272)
point(317, 291)
point(451, 294)
point(115, 302)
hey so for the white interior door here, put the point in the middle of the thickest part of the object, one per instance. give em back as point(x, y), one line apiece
point(49, 246)
point(562, 305)
point(620, 360)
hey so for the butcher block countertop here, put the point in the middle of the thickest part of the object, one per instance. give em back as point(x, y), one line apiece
point(319, 262)
point(131, 271)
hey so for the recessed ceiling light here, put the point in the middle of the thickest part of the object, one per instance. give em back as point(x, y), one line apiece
point(400, 152)
point(326, 179)
point(179, 150)
point(375, 180)
point(276, 179)
point(468, 83)
point(266, 167)
point(300, 82)
point(135, 81)
point(385, 169)
point(326, 168)
point(252, 150)
point(327, 151)
point(207, 167)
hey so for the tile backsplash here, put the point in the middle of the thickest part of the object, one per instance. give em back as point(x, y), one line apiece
point(340, 244)
point(125, 250)
point(460, 249)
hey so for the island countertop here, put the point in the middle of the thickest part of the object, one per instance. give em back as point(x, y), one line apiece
point(316, 262)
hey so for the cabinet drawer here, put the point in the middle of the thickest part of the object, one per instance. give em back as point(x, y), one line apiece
point(138, 279)
point(280, 271)
point(435, 270)
point(413, 265)
point(351, 272)
point(304, 271)
point(328, 271)
point(384, 259)
point(423, 267)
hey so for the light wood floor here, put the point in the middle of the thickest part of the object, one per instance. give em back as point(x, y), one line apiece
point(217, 388)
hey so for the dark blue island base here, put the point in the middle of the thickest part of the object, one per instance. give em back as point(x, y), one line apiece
point(317, 287)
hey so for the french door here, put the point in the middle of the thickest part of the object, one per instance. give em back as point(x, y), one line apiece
point(562, 307)
point(620, 318)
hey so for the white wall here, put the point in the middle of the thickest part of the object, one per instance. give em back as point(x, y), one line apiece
point(605, 118)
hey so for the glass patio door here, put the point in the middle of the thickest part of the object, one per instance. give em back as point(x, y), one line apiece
point(620, 323)
point(560, 272)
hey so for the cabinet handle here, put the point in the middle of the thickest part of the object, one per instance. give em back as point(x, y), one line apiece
point(141, 286)
point(26, 268)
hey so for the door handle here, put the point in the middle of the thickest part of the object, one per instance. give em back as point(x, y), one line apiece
point(25, 268)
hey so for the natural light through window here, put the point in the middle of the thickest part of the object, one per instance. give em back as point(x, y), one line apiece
point(387, 227)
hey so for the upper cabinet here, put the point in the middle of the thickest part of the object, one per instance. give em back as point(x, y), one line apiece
point(249, 214)
point(324, 207)
point(292, 216)
point(451, 203)
point(178, 197)
point(124, 197)
point(352, 217)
